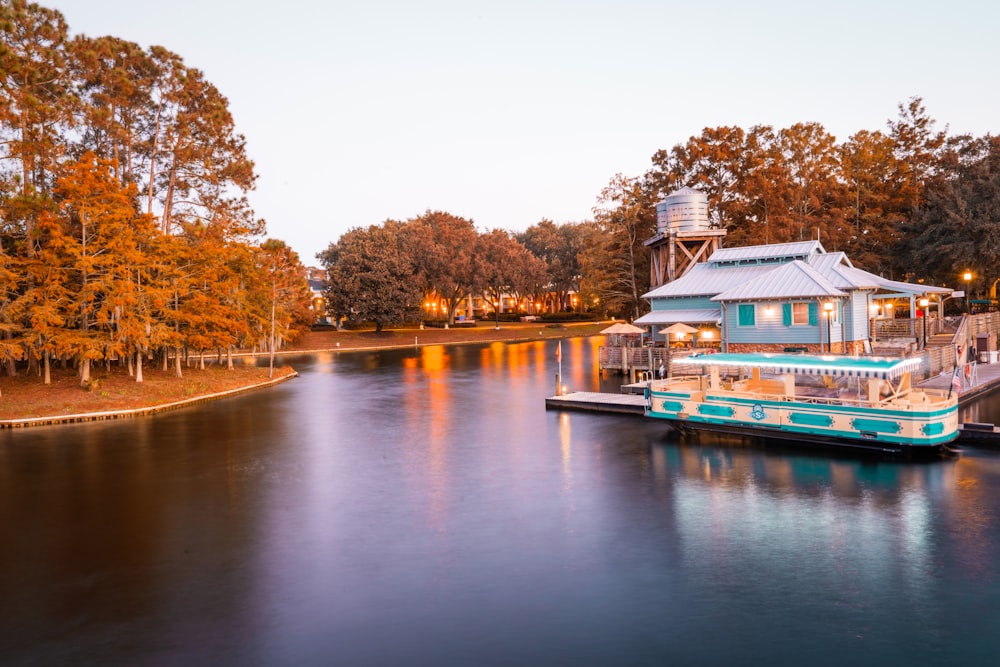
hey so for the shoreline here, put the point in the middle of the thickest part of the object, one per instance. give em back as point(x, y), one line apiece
point(509, 332)
point(20, 390)
point(124, 398)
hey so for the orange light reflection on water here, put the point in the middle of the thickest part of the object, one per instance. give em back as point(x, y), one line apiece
point(428, 392)
point(566, 449)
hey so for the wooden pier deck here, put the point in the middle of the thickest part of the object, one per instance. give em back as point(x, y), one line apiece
point(597, 401)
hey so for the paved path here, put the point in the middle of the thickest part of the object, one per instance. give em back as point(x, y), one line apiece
point(982, 379)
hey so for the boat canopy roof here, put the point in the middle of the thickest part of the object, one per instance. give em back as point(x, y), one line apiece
point(863, 367)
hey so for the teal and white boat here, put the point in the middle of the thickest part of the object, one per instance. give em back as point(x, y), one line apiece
point(865, 402)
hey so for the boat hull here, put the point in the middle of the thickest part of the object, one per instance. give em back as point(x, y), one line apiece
point(900, 429)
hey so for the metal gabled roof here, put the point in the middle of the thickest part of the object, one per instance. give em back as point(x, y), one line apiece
point(795, 280)
point(837, 268)
point(687, 316)
point(762, 253)
point(912, 288)
point(707, 280)
point(740, 266)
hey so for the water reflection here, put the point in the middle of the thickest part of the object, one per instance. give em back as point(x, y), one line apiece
point(427, 494)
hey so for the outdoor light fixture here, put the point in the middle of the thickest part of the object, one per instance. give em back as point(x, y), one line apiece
point(828, 308)
point(967, 277)
point(923, 310)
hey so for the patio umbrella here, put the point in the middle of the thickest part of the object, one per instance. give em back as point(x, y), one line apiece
point(627, 329)
point(678, 328)
point(621, 328)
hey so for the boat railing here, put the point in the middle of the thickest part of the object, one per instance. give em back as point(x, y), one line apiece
point(684, 382)
point(766, 391)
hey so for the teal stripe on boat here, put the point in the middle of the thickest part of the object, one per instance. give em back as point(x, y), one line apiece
point(932, 429)
point(672, 394)
point(876, 426)
point(809, 419)
point(837, 407)
point(716, 410)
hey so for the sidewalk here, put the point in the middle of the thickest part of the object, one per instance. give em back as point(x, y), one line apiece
point(984, 379)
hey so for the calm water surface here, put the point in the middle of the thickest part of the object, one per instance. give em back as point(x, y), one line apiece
point(421, 507)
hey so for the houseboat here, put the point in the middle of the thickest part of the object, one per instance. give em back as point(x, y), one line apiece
point(868, 403)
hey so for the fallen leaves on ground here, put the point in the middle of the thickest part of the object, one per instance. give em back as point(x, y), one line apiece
point(26, 395)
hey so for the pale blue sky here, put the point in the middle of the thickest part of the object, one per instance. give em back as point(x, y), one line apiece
point(512, 111)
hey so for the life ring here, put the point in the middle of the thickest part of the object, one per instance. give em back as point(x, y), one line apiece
point(968, 371)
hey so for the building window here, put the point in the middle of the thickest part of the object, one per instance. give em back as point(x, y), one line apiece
point(747, 315)
point(801, 313)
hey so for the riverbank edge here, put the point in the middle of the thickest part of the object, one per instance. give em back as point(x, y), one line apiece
point(512, 333)
point(146, 411)
point(563, 332)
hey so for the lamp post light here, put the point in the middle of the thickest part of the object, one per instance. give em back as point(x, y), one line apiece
point(828, 308)
point(967, 277)
point(923, 310)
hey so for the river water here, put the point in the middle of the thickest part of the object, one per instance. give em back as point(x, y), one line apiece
point(421, 507)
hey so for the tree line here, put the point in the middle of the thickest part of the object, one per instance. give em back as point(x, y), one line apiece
point(381, 274)
point(908, 203)
point(125, 230)
point(911, 203)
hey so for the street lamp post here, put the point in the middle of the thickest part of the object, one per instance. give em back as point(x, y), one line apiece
point(828, 308)
point(967, 277)
point(923, 310)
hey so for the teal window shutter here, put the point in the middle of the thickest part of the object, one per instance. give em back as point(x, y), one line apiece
point(813, 313)
point(747, 315)
point(786, 314)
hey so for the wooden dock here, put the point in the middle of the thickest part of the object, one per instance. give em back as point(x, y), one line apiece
point(597, 401)
point(979, 434)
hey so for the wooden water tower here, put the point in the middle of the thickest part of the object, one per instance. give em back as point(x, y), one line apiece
point(683, 236)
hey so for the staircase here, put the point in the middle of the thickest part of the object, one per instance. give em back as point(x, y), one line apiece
point(941, 339)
